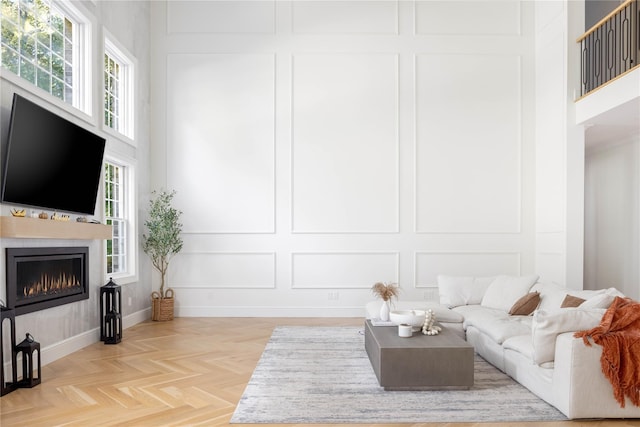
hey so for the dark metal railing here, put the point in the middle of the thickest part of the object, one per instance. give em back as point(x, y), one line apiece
point(610, 48)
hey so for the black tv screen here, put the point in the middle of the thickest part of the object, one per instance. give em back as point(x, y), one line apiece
point(50, 162)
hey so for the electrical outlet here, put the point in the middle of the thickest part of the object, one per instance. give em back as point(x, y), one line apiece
point(333, 295)
point(431, 294)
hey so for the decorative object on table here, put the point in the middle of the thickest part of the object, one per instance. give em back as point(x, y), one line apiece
point(429, 328)
point(43, 215)
point(413, 318)
point(8, 314)
point(81, 219)
point(405, 331)
point(110, 313)
point(161, 243)
point(30, 349)
point(385, 291)
point(18, 212)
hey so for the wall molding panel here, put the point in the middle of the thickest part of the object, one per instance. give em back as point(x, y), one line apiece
point(343, 270)
point(233, 270)
point(345, 149)
point(221, 140)
point(360, 17)
point(498, 17)
point(221, 17)
point(468, 178)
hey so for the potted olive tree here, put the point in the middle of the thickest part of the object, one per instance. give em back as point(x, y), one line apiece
point(161, 242)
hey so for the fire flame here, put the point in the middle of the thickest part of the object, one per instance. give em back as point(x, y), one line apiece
point(51, 285)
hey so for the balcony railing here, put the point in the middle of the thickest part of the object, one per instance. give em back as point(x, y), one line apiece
point(610, 48)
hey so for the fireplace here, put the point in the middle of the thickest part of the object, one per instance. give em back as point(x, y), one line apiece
point(40, 278)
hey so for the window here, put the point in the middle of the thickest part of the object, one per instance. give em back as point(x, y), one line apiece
point(118, 90)
point(43, 43)
point(118, 210)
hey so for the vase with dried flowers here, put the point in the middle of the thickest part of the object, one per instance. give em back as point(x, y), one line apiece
point(385, 291)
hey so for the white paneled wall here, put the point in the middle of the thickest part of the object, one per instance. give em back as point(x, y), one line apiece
point(612, 217)
point(559, 145)
point(318, 147)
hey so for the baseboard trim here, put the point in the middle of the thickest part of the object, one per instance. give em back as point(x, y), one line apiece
point(70, 345)
point(247, 311)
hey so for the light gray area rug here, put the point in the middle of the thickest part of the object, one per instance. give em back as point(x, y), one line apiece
point(323, 375)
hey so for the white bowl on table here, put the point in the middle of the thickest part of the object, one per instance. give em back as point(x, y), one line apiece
point(415, 318)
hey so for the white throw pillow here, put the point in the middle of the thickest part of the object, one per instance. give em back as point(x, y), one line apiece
point(504, 291)
point(462, 290)
point(602, 300)
point(547, 325)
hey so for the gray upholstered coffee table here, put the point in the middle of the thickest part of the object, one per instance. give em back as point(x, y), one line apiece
point(420, 362)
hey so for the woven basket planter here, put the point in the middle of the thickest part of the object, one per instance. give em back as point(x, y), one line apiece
point(162, 308)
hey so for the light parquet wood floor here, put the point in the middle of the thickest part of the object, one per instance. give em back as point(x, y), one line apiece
point(187, 372)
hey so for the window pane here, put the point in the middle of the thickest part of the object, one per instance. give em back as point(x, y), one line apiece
point(57, 44)
point(27, 71)
point(10, 60)
point(57, 88)
point(10, 35)
point(43, 80)
point(28, 47)
point(114, 211)
point(57, 67)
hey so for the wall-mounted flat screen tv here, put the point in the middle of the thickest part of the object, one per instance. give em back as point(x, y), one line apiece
point(50, 162)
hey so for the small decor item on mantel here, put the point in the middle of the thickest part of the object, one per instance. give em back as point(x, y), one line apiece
point(161, 243)
point(385, 291)
point(19, 212)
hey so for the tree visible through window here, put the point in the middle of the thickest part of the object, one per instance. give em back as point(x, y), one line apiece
point(118, 88)
point(115, 215)
point(37, 45)
point(111, 92)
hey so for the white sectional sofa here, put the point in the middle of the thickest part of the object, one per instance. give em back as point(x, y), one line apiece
point(538, 350)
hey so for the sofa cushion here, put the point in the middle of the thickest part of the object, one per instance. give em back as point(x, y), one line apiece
point(547, 325)
point(520, 343)
point(504, 291)
point(602, 299)
point(526, 304)
point(495, 323)
point(551, 295)
point(571, 301)
point(462, 290)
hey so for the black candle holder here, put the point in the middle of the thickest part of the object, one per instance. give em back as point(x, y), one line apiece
point(30, 349)
point(7, 386)
point(110, 309)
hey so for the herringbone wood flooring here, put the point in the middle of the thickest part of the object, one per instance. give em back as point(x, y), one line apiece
point(187, 372)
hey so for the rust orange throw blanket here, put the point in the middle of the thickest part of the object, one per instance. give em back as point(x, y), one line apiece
point(619, 336)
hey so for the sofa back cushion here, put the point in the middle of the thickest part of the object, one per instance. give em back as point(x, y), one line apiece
point(456, 291)
point(551, 295)
point(602, 299)
point(547, 325)
point(504, 291)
